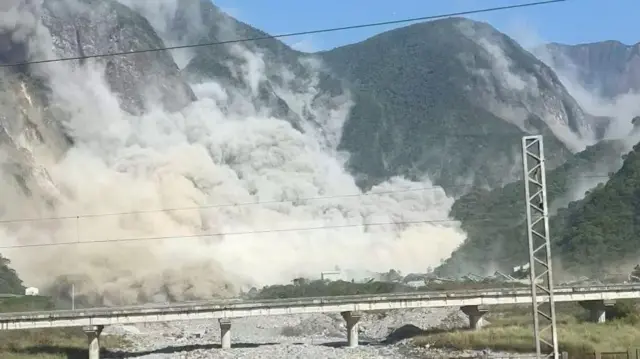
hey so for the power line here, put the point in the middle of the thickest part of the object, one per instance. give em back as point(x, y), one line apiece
point(325, 30)
point(224, 234)
point(239, 204)
point(221, 234)
point(222, 205)
point(310, 32)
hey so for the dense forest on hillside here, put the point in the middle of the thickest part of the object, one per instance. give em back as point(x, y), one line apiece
point(10, 283)
point(602, 229)
point(495, 220)
point(405, 127)
point(319, 288)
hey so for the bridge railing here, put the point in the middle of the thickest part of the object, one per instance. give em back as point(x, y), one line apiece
point(240, 304)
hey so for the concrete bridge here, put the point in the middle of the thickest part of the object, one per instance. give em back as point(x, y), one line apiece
point(474, 303)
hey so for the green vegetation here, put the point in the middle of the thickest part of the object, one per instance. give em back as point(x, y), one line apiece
point(510, 330)
point(509, 327)
point(417, 111)
point(318, 288)
point(25, 304)
point(495, 220)
point(412, 106)
point(51, 343)
point(10, 283)
point(603, 226)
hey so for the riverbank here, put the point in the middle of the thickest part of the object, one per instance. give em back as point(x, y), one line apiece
point(511, 330)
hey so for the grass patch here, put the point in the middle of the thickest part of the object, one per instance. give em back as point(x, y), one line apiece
point(25, 304)
point(511, 330)
point(52, 343)
point(59, 343)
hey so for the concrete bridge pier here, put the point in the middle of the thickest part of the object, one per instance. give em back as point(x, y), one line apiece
point(225, 333)
point(597, 309)
point(352, 319)
point(93, 336)
point(475, 314)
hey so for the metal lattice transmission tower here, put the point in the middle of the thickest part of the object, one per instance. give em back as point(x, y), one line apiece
point(544, 311)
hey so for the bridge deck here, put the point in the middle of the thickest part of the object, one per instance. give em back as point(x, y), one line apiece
point(235, 308)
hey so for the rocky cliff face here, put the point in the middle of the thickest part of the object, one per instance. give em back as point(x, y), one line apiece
point(93, 27)
point(41, 104)
point(469, 92)
point(33, 121)
point(492, 86)
point(28, 130)
point(610, 68)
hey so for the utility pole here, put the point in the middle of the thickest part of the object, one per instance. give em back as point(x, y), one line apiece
point(544, 311)
point(73, 297)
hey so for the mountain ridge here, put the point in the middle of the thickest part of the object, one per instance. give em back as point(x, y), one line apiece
point(207, 62)
point(610, 68)
point(440, 41)
point(262, 122)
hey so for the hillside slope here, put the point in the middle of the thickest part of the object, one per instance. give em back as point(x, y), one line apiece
point(610, 68)
point(432, 93)
point(451, 98)
point(91, 27)
point(240, 136)
point(40, 104)
point(265, 76)
point(495, 220)
point(601, 230)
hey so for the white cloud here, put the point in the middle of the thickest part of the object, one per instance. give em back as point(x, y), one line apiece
point(232, 11)
point(306, 44)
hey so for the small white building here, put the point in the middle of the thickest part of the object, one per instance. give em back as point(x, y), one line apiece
point(331, 275)
point(32, 291)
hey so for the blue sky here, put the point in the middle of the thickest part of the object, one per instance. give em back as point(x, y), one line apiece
point(574, 21)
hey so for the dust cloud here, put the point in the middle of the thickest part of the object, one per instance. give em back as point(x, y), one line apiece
point(162, 15)
point(254, 198)
point(523, 97)
point(621, 108)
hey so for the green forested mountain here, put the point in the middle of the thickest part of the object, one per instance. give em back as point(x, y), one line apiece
point(601, 230)
point(432, 99)
point(9, 281)
point(495, 220)
point(428, 99)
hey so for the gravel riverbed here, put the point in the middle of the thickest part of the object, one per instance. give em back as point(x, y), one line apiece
point(382, 335)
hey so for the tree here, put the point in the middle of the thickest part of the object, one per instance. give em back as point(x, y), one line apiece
point(300, 281)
